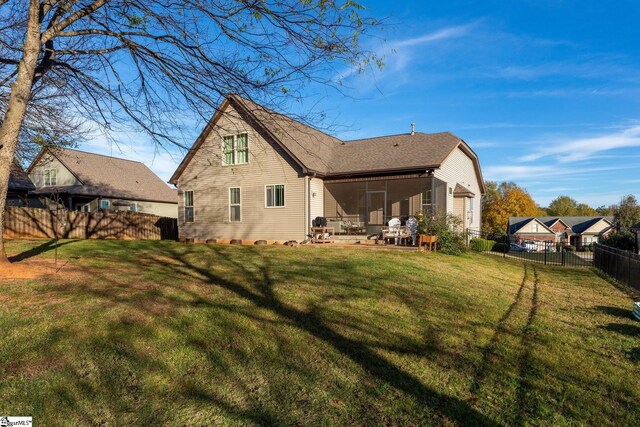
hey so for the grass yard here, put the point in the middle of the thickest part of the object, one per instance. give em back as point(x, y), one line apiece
point(158, 333)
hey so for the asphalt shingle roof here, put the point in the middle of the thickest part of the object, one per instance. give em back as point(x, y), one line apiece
point(19, 180)
point(578, 224)
point(107, 176)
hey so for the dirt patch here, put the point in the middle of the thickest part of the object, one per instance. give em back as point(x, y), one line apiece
point(33, 269)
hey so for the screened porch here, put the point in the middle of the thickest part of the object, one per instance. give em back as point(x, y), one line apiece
point(363, 206)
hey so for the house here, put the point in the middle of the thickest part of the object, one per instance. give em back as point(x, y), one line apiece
point(256, 174)
point(92, 182)
point(578, 231)
point(19, 186)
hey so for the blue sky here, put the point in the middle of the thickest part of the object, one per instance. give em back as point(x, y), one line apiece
point(546, 92)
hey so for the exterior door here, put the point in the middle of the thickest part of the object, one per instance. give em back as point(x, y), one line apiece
point(376, 201)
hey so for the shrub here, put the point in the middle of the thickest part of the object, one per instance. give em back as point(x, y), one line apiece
point(503, 248)
point(481, 245)
point(444, 225)
point(569, 248)
point(625, 241)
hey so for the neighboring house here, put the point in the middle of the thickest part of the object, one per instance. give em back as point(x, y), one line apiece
point(19, 186)
point(256, 174)
point(92, 182)
point(575, 230)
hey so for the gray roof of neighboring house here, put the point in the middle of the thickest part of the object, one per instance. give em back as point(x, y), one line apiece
point(329, 156)
point(19, 180)
point(106, 176)
point(578, 224)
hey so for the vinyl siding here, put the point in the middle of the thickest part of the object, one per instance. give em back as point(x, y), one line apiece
point(459, 210)
point(210, 182)
point(528, 229)
point(63, 176)
point(458, 169)
point(317, 200)
point(597, 228)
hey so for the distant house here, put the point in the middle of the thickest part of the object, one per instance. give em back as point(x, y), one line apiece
point(92, 182)
point(19, 186)
point(257, 174)
point(575, 230)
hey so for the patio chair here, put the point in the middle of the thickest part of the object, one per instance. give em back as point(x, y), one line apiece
point(412, 227)
point(395, 230)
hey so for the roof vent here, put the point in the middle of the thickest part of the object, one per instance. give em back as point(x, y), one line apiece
point(413, 129)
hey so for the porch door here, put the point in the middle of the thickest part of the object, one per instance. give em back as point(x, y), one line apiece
point(376, 201)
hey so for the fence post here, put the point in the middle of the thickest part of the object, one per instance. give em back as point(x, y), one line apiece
point(545, 255)
point(562, 251)
point(629, 269)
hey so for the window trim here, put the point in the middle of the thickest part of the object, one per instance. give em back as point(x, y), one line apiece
point(535, 227)
point(284, 201)
point(192, 206)
point(235, 204)
point(134, 205)
point(470, 211)
point(234, 150)
point(104, 200)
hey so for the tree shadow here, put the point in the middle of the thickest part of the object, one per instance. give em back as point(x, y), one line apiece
point(615, 311)
point(39, 250)
point(623, 328)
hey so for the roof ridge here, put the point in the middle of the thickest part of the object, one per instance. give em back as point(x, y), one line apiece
point(98, 154)
point(398, 134)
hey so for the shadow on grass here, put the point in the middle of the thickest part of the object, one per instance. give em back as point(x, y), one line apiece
point(616, 311)
point(39, 250)
point(623, 328)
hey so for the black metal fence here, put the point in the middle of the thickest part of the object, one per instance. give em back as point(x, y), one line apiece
point(622, 265)
point(539, 252)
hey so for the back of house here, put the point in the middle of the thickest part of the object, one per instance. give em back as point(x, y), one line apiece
point(254, 174)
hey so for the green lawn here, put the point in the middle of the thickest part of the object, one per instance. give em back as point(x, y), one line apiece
point(158, 333)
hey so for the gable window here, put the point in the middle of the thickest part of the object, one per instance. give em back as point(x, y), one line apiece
point(50, 176)
point(105, 204)
point(274, 196)
point(234, 204)
point(534, 227)
point(188, 206)
point(235, 149)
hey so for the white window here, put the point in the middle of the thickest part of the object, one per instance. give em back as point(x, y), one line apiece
point(534, 227)
point(450, 190)
point(235, 149)
point(470, 211)
point(105, 204)
point(234, 204)
point(274, 196)
point(427, 201)
point(188, 206)
point(50, 176)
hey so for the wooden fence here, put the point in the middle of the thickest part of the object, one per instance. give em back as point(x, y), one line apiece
point(123, 225)
point(622, 265)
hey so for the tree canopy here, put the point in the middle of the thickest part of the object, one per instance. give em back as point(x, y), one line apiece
point(567, 206)
point(502, 201)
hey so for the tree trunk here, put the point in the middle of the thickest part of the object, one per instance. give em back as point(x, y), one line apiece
point(16, 108)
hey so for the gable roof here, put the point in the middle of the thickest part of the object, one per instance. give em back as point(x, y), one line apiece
point(19, 180)
point(325, 155)
point(462, 191)
point(517, 223)
point(577, 224)
point(106, 176)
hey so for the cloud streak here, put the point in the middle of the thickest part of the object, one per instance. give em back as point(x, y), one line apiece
point(571, 151)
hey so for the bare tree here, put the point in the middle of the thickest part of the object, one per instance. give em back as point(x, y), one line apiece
point(154, 62)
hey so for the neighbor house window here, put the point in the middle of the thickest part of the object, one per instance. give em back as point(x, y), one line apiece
point(105, 204)
point(235, 149)
point(50, 176)
point(188, 206)
point(534, 228)
point(274, 196)
point(234, 204)
point(133, 207)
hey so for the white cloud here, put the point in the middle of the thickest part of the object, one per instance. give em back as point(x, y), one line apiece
point(525, 172)
point(569, 151)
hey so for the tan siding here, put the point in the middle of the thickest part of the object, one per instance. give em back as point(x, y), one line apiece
point(210, 181)
point(458, 209)
point(528, 229)
point(317, 198)
point(597, 227)
point(458, 169)
point(64, 177)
